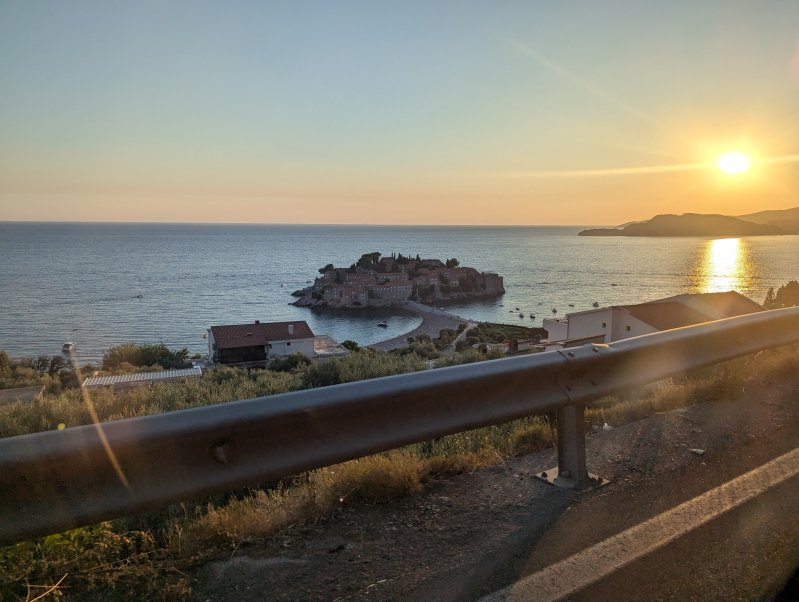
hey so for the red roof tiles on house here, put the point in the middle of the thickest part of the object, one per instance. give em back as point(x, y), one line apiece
point(258, 334)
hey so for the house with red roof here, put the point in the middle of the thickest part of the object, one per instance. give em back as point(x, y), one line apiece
point(258, 343)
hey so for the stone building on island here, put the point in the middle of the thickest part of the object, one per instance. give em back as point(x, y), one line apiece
point(389, 281)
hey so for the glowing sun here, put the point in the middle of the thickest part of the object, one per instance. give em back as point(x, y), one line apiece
point(733, 163)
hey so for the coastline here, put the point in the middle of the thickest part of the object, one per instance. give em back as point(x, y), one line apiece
point(433, 321)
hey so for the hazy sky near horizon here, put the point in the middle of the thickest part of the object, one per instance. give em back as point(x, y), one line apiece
point(417, 112)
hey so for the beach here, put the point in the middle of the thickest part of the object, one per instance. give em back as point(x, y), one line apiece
point(433, 321)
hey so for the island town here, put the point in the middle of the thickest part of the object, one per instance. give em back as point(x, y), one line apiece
point(375, 281)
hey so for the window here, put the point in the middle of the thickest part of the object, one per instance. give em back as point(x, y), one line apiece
point(628, 328)
point(604, 325)
point(289, 343)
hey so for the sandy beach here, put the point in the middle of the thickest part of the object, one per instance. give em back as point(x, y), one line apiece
point(433, 321)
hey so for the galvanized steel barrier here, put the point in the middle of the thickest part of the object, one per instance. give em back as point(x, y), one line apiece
point(56, 480)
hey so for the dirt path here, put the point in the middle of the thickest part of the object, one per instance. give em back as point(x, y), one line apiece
point(469, 535)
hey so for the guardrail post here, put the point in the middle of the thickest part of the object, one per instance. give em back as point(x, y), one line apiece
point(571, 471)
point(571, 446)
point(578, 384)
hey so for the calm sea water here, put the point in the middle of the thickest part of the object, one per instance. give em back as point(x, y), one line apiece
point(81, 282)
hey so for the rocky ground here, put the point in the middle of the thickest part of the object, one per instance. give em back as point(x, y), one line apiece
point(467, 536)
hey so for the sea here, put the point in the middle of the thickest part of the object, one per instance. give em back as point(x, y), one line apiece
point(101, 284)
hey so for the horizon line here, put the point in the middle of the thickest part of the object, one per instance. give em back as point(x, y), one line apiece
point(368, 225)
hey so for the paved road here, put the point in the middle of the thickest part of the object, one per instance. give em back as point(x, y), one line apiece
point(736, 541)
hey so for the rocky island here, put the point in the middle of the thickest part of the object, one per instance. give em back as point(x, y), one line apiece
point(375, 281)
point(690, 224)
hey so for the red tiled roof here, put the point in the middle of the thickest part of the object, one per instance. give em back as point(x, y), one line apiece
point(252, 335)
point(665, 316)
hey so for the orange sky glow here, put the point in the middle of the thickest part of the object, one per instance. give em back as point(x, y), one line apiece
point(406, 115)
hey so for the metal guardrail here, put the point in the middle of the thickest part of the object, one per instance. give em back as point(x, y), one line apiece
point(56, 480)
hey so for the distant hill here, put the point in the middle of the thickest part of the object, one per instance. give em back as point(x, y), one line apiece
point(787, 219)
point(625, 224)
point(691, 224)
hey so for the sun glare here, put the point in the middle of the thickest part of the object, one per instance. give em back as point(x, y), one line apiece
point(733, 163)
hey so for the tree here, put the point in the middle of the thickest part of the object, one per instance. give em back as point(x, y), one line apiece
point(350, 345)
point(452, 263)
point(148, 354)
point(57, 364)
point(369, 261)
point(327, 268)
point(69, 379)
point(41, 363)
point(114, 356)
point(5, 365)
point(787, 296)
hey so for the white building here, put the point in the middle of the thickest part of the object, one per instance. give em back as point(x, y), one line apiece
point(618, 322)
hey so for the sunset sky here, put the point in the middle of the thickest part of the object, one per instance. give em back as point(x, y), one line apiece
point(428, 112)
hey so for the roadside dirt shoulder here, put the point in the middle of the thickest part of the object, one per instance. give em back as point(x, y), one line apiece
point(469, 535)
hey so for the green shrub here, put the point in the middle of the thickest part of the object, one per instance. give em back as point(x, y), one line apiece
point(290, 363)
point(147, 354)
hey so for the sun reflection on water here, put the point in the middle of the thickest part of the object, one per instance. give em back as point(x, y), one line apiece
point(724, 265)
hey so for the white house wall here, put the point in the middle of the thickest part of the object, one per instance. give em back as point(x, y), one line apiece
point(611, 323)
point(589, 324)
point(281, 348)
point(556, 331)
point(625, 325)
point(211, 346)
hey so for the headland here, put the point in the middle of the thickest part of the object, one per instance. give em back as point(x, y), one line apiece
point(695, 224)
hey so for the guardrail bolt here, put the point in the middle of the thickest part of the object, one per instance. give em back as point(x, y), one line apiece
point(220, 451)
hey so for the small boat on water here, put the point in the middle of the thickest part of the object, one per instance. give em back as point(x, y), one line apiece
point(521, 315)
point(571, 304)
point(554, 311)
point(67, 347)
point(532, 317)
point(383, 324)
point(595, 304)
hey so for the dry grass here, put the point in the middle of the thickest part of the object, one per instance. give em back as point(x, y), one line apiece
point(374, 479)
point(710, 384)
